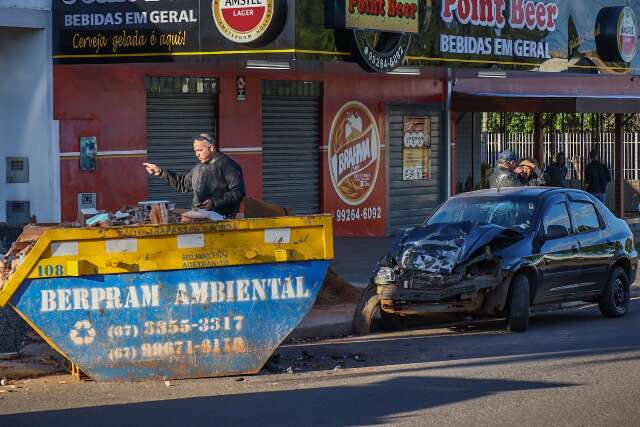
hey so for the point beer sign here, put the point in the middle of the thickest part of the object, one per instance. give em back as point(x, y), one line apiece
point(376, 32)
point(249, 21)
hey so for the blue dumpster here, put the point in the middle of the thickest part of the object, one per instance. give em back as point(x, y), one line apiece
point(172, 301)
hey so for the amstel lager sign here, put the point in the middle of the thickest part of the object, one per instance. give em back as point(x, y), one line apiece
point(617, 34)
point(248, 21)
point(354, 153)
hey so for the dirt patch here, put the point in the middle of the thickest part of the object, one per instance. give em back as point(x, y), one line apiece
point(335, 290)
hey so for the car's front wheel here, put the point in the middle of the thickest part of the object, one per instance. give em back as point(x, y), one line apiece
point(366, 310)
point(518, 318)
point(614, 301)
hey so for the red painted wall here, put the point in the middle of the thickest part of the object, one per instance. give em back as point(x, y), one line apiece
point(109, 101)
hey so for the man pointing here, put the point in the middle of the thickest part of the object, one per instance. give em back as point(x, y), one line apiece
point(216, 181)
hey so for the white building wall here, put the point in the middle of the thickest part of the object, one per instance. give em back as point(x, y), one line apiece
point(27, 128)
point(27, 4)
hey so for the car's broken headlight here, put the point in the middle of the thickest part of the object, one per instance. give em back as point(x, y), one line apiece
point(384, 276)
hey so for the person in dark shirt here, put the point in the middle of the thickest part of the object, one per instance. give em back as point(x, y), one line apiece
point(216, 181)
point(597, 177)
point(503, 175)
point(557, 171)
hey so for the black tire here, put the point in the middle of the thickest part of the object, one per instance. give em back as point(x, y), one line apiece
point(391, 322)
point(366, 310)
point(518, 316)
point(614, 301)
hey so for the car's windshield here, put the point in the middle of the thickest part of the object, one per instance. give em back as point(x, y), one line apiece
point(517, 214)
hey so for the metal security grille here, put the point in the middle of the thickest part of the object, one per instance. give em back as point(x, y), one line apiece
point(18, 212)
point(411, 201)
point(291, 140)
point(17, 170)
point(177, 109)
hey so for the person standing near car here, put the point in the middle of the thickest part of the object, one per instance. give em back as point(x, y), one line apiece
point(557, 171)
point(597, 177)
point(216, 181)
point(503, 175)
point(529, 174)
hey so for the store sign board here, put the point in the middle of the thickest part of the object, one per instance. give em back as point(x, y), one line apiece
point(354, 153)
point(416, 149)
point(617, 34)
point(377, 33)
point(596, 36)
point(166, 30)
point(529, 17)
point(382, 15)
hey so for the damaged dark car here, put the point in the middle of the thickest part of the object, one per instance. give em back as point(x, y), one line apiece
point(504, 254)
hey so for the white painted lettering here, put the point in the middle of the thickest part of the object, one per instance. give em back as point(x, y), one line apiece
point(48, 301)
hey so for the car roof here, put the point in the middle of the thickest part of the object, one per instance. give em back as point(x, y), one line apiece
point(506, 192)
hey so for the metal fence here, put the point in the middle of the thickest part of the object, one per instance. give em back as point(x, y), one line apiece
point(576, 147)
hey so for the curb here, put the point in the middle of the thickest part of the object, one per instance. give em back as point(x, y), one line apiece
point(322, 331)
point(325, 322)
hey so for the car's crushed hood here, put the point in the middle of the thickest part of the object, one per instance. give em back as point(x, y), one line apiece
point(440, 248)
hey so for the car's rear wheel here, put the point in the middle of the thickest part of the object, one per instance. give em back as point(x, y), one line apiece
point(518, 316)
point(366, 310)
point(614, 301)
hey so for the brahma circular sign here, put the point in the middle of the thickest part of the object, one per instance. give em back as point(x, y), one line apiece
point(354, 153)
point(250, 21)
point(617, 34)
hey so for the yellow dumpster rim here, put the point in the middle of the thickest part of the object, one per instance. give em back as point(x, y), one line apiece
point(135, 231)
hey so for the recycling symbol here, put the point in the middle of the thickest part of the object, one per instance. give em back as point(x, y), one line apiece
point(83, 333)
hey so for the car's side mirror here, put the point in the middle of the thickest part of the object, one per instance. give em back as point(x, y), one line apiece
point(556, 232)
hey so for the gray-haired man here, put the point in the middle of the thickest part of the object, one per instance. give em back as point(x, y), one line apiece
point(216, 181)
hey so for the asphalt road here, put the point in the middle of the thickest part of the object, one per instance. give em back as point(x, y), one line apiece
point(572, 368)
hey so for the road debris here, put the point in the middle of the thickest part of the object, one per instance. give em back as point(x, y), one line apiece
point(305, 356)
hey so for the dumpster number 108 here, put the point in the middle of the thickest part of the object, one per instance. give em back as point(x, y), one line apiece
point(50, 270)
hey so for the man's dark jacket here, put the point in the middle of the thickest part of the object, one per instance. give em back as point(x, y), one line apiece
point(504, 178)
point(219, 180)
point(557, 175)
point(597, 176)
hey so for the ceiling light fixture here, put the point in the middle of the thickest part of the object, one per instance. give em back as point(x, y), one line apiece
point(492, 74)
point(405, 71)
point(256, 64)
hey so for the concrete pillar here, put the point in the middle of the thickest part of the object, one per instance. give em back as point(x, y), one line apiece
point(619, 165)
